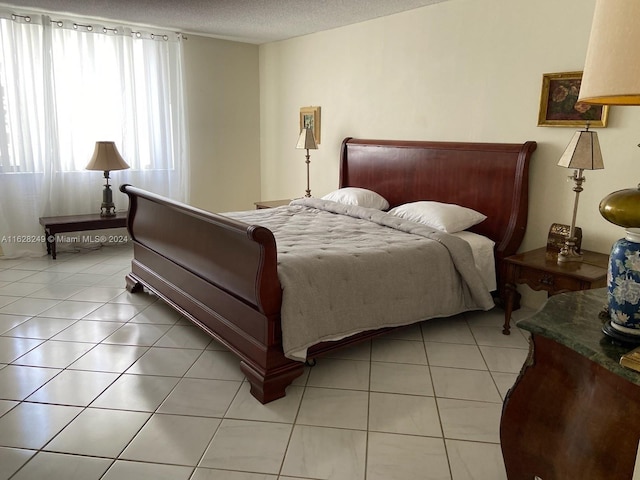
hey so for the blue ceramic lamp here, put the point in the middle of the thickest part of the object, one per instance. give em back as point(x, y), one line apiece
point(612, 77)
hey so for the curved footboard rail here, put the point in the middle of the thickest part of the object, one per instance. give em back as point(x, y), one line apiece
point(219, 273)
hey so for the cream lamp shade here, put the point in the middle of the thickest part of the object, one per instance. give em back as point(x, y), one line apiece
point(307, 140)
point(106, 157)
point(583, 152)
point(612, 67)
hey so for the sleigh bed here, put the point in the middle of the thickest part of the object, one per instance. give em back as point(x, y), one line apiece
point(223, 273)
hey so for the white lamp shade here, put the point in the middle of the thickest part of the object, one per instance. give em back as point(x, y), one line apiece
point(307, 140)
point(583, 152)
point(612, 67)
point(106, 157)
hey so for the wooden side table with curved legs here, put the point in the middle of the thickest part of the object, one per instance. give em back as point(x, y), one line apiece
point(540, 272)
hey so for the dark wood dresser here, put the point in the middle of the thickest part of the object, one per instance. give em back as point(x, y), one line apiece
point(574, 411)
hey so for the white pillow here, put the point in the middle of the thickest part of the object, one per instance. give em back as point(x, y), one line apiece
point(358, 196)
point(447, 217)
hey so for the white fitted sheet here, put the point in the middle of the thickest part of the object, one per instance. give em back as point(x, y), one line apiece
point(483, 255)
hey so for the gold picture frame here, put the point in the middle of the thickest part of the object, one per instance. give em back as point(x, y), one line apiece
point(310, 118)
point(559, 106)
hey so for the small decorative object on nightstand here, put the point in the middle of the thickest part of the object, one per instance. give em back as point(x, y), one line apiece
point(539, 272)
point(558, 234)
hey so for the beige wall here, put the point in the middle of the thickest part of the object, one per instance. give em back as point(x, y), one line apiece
point(223, 117)
point(462, 70)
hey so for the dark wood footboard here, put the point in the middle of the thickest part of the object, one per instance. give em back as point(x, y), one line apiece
point(220, 274)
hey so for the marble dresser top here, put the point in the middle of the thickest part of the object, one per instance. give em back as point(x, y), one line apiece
point(572, 320)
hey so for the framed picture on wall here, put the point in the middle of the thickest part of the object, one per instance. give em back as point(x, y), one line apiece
point(310, 118)
point(559, 106)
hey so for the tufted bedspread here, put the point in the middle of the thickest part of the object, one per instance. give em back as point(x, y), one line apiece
point(346, 269)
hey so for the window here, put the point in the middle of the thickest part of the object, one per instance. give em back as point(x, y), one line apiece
point(66, 84)
point(93, 83)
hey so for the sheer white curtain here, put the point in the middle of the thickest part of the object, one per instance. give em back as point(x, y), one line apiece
point(65, 85)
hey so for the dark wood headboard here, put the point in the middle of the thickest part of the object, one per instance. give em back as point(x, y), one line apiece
point(491, 178)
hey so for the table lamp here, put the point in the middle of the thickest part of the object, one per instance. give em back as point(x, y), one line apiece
point(106, 158)
point(612, 77)
point(582, 153)
point(307, 141)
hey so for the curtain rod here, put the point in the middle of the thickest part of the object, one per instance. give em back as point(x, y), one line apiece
point(89, 28)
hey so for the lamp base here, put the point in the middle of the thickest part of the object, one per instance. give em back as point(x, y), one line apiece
point(307, 161)
point(107, 210)
point(569, 252)
point(619, 337)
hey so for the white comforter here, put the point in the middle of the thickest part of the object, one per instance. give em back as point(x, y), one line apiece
point(346, 269)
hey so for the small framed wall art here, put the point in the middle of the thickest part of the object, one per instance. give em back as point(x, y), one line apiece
point(310, 118)
point(559, 106)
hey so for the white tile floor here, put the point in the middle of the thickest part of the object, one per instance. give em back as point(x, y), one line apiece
point(96, 383)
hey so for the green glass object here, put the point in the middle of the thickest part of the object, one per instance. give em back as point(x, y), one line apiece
point(622, 207)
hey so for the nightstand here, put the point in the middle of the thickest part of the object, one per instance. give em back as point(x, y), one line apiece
point(540, 272)
point(78, 223)
point(271, 204)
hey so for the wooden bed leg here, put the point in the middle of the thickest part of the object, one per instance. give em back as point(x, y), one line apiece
point(271, 387)
point(133, 285)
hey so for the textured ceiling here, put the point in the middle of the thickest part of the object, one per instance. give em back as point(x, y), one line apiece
point(251, 21)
